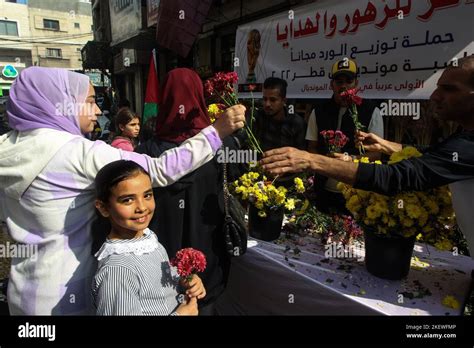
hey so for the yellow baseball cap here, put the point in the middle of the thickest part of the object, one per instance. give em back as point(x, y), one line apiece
point(346, 66)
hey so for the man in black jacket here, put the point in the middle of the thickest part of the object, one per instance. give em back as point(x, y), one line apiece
point(335, 115)
point(449, 162)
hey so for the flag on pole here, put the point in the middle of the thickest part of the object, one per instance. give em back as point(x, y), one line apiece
point(151, 96)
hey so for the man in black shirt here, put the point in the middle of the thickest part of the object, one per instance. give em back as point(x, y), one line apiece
point(335, 115)
point(449, 162)
point(275, 126)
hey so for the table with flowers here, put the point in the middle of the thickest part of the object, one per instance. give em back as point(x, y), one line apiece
point(294, 277)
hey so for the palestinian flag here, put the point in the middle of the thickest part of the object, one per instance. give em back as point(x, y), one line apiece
point(151, 96)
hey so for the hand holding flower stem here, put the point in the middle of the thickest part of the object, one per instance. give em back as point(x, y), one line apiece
point(222, 86)
point(352, 99)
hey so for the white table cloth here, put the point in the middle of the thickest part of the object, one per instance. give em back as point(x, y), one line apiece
point(273, 279)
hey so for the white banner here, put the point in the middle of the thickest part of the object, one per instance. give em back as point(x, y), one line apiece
point(400, 46)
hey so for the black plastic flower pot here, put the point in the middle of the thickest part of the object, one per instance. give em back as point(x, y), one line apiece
point(388, 257)
point(265, 228)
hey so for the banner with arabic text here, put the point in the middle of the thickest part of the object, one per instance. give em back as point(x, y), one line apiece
point(400, 46)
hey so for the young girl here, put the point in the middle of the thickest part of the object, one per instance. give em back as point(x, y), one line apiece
point(134, 276)
point(47, 171)
point(127, 124)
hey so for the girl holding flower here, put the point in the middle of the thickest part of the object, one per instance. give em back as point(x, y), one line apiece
point(190, 212)
point(134, 276)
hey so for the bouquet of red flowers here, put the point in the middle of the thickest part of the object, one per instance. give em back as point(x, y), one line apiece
point(351, 98)
point(335, 140)
point(189, 261)
point(222, 85)
point(220, 88)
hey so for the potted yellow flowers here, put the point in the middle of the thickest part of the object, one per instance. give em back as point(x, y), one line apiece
point(267, 203)
point(392, 223)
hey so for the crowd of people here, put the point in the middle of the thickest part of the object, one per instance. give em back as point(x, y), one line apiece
point(107, 218)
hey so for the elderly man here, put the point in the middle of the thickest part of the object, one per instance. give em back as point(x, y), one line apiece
point(449, 162)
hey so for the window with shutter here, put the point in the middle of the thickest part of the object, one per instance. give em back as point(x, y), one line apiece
point(9, 28)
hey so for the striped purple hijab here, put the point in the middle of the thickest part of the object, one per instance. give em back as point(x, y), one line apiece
point(47, 98)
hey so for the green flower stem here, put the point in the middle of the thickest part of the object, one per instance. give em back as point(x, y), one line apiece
point(358, 125)
point(276, 177)
point(225, 101)
point(253, 107)
point(234, 101)
point(253, 140)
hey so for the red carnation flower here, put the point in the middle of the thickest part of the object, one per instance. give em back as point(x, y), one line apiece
point(189, 261)
point(350, 96)
point(335, 140)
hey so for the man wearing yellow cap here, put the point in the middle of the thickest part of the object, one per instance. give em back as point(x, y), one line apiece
point(334, 115)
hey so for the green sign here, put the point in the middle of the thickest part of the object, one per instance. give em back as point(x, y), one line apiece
point(10, 71)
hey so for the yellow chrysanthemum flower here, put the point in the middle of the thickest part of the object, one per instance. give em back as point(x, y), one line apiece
point(411, 151)
point(213, 112)
point(213, 109)
point(299, 185)
point(372, 212)
point(444, 244)
point(341, 187)
point(413, 211)
point(290, 204)
point(451, 302)
point(353, 204)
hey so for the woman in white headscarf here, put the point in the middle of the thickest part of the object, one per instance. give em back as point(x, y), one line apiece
point(47, 169)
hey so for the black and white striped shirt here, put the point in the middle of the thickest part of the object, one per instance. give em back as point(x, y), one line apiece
point(134, 277)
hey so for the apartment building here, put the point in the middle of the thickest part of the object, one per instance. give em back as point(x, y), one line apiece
point(15, 54)
point(59, 29)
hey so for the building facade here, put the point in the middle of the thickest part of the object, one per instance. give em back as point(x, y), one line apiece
point(127, 31)
point(60, 29)
point(46, 33)
point(124, 38)
point(15, 50)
